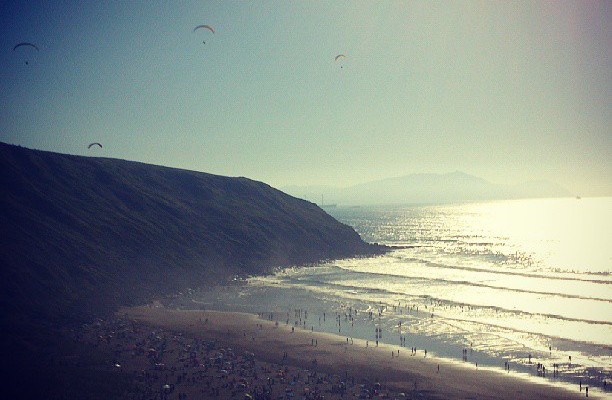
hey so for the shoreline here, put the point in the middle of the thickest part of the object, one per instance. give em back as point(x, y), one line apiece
point(405, 326)
point(393, 366)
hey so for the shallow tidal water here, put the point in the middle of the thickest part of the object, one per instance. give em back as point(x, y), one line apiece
point(516, 283)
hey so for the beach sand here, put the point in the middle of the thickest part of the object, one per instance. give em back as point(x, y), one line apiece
point(210, 354)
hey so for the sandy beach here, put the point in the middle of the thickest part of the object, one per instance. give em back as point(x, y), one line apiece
point(178, 354)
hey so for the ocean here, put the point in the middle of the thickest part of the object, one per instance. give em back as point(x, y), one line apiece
point(523, 284)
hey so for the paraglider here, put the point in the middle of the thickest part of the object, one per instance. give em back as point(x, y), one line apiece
point(210, 28)
point(339, 57)
point(94, 144)
point(26, 44)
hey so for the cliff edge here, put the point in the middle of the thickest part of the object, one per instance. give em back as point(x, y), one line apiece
point(82, 235)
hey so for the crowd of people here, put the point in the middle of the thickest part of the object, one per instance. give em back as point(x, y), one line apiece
point(164, 365)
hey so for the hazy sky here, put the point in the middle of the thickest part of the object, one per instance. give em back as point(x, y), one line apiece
point(508, 91)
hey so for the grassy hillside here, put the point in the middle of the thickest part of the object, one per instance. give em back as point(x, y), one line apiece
point(82, 235)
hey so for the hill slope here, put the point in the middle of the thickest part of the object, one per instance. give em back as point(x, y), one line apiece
point(82, 234)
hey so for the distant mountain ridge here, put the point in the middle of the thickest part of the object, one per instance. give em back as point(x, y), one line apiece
point(427, 188)
point(82, 234)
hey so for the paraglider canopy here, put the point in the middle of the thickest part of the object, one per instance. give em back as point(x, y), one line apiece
point(25, 44)
point(210, 28)
point(94, 144)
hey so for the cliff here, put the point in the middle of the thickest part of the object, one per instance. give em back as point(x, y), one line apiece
point(83, 235)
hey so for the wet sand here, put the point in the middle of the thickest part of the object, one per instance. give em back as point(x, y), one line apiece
point(320, 360)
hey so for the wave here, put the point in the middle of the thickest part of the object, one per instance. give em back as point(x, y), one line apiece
point(352, 289)
point(503, 327)
point(476, 284)
point(509, 273)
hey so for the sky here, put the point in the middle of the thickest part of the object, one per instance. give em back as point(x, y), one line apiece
point(508, 91)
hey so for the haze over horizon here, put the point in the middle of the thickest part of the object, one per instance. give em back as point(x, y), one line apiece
point(510, 92)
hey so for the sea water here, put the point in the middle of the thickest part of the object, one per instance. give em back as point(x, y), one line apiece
point(505, 283)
